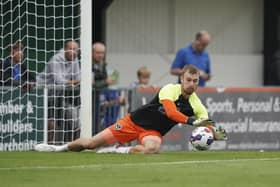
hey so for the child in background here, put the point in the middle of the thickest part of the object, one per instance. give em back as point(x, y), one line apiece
point(143, 76)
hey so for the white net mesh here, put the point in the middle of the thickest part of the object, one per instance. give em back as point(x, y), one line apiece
point(39, 74)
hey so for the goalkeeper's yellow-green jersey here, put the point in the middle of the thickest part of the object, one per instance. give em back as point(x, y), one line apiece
point(152, 116)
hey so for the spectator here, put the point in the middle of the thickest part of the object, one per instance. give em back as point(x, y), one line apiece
point(13, 71)
point(196, 55)
point(107, 102)
point(143, 76)
point(63, 69)
point(99, 68)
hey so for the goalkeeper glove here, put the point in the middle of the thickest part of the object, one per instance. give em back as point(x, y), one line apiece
point(219, 133)
point(199, 122)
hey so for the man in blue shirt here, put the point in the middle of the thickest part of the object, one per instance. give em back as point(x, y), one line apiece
point(13, 72)
point(196, 55)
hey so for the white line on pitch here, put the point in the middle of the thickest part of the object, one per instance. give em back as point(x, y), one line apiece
point(137, 164)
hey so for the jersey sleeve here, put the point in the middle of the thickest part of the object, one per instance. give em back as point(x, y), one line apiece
point(198, 108)
point(172, 112)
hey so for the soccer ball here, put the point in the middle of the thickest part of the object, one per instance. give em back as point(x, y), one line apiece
point(201, 138)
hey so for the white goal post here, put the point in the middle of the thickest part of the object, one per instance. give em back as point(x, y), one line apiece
point(86, 59)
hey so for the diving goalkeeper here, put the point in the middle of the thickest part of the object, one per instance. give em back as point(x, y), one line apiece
point(175, 103)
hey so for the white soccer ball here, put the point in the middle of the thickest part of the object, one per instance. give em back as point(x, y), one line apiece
point(201, 138)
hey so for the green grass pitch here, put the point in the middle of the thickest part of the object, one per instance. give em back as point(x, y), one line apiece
point(167, 169)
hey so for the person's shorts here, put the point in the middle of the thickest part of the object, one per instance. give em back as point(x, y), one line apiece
point(125, 130)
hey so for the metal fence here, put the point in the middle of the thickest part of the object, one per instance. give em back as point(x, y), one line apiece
point(108, 106)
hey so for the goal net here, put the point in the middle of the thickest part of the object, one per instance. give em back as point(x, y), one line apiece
point(40, 72)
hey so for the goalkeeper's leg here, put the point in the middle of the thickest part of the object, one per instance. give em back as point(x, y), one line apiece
point(123, 131)
point(101, 139)
point(149, 145)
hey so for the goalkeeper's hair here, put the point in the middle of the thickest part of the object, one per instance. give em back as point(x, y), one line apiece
point(191, 69)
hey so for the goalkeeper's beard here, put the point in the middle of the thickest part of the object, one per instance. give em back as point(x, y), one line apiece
point(189, 90)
